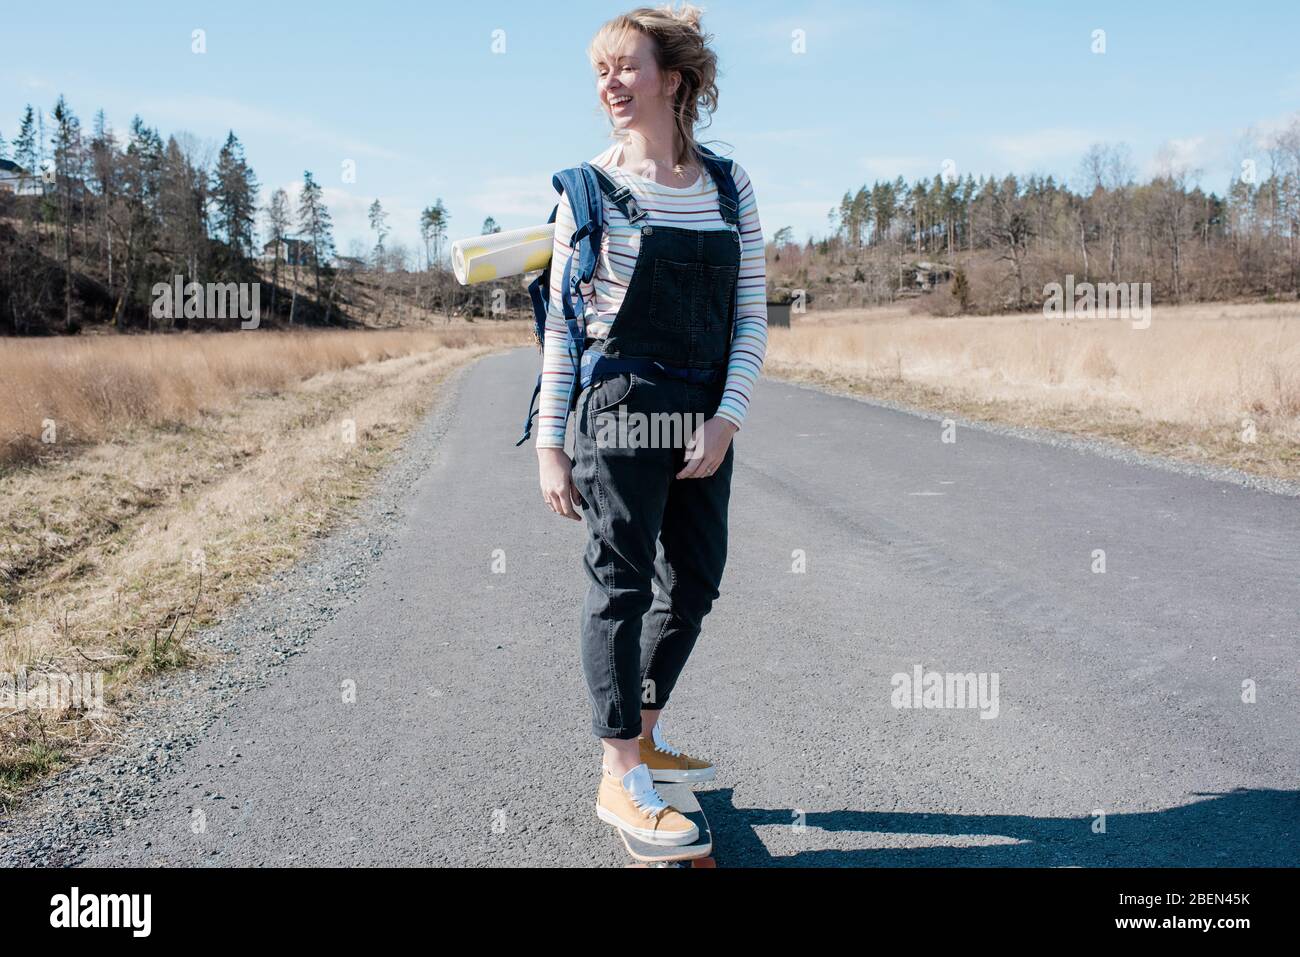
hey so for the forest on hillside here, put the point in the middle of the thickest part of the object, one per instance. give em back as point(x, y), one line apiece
point(91, 220)
point(993, 243)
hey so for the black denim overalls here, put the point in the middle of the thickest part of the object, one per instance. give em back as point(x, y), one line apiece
point(679, 311)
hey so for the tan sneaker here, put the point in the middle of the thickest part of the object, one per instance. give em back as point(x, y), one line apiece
point(671, 766)
point(633, 805)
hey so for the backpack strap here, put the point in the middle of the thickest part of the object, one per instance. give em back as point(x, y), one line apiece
point(580, 185)
point(583, 185)
point(620, 196)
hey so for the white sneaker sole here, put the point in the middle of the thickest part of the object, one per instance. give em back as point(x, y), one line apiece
point(676, 776)
point(665, 838)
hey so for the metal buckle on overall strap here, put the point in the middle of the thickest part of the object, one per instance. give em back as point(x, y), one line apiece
point(730, 211)
point(624, 200)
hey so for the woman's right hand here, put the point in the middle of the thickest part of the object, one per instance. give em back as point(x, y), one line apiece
point(558, 491)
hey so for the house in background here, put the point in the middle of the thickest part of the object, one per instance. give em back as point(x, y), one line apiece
point(930, 275)
point(293, 251)
point(14, 179)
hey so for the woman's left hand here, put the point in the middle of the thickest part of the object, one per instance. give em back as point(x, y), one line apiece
point(707, 448)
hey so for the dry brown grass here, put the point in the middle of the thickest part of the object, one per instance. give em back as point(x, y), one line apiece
point(63, 393)
point(1192, 385)
point(204, 463)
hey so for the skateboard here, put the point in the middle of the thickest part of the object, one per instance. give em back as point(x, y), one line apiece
point(698, 854)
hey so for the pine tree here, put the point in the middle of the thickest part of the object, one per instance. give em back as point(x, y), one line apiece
point(235, 196)
point(379, 223)
point(68, 177)
point(433, 229)
point(104, 171)
point(426, 234)
point(183, 211)
point(142, 181)
point(314, 222)
point(25, 144)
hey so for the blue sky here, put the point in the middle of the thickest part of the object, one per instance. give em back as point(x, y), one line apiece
point(416, 97)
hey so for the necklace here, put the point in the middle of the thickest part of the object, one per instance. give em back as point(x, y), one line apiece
point(678, 171)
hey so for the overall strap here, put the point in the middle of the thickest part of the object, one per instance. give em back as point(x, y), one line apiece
point(728, 198)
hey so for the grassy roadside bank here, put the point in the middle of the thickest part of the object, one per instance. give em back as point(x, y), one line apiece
point(146, 521)
point(1212, 385)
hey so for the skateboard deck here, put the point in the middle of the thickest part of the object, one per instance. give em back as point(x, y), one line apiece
point(697, 854)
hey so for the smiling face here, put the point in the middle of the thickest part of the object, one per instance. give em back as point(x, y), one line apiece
point(629, 84)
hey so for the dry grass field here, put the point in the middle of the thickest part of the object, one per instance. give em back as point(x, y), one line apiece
point(64, 393)
point(1210, 383)
point(182, 470)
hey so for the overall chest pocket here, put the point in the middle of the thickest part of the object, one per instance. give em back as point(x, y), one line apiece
point(692, 297)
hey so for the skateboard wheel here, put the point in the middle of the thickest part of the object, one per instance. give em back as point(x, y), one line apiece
point(704, 862)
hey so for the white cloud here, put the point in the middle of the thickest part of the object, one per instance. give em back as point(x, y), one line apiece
point(1260, 135)
point(1189, 154)
point(1021, 152)
point(1220, 154)
point(199, 112)
point(527, 197)
point(807, 217)
point(909, 167)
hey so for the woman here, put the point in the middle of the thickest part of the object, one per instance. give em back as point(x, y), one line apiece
point(680, 281)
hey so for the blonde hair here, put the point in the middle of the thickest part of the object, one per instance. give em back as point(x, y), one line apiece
point(680, 47)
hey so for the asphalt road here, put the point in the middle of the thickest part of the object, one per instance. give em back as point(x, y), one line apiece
point(1119, 693)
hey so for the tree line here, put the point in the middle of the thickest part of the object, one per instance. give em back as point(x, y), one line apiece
point(1019, 232)
point(91, 220)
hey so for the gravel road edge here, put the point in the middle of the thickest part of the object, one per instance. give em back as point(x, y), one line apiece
point(62, 819)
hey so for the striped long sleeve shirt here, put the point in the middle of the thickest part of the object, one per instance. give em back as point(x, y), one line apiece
point(691, 207)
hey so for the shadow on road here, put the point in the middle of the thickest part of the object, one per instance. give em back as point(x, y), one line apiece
point(1240, 828)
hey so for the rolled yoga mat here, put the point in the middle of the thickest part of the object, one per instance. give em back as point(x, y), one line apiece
point(498, 255)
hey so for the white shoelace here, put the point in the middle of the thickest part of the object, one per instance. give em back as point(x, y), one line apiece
point(640, 789)
point(661, 743)
point(649, 802)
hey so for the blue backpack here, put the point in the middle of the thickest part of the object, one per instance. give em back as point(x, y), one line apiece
point(584, 185)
